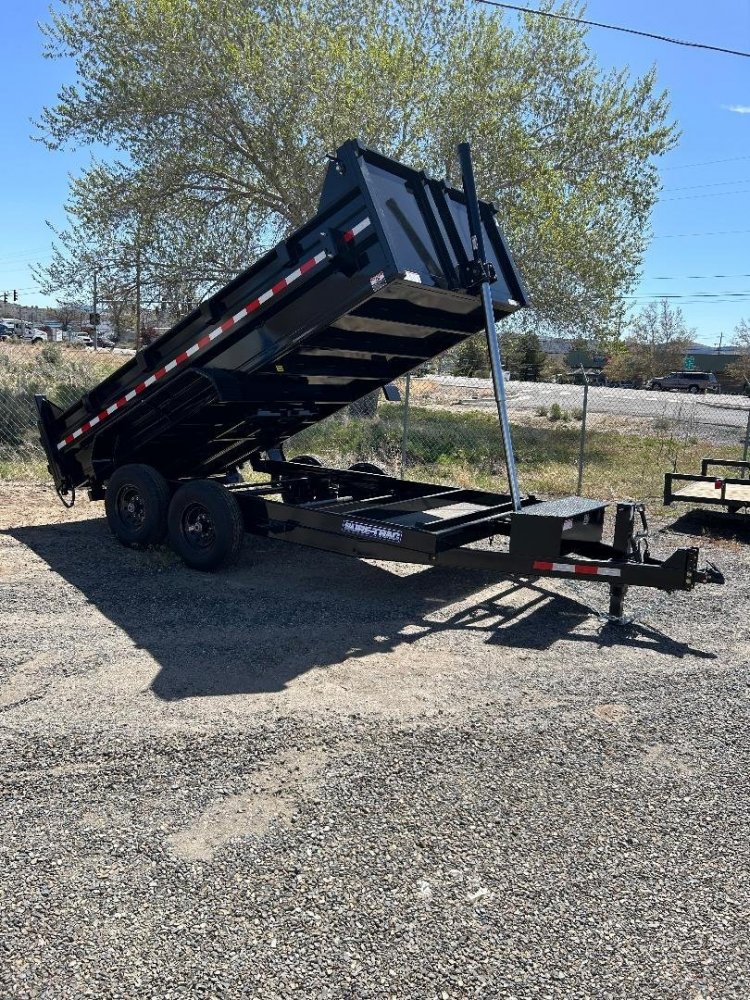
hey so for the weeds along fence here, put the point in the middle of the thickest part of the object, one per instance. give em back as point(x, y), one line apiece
point(604, 442)
point(615, 443)
point(63, 374)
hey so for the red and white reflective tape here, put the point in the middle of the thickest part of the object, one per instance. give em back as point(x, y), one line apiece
point(210, 337)
point(580, 569)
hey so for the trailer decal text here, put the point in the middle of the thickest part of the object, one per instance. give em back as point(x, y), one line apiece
point(580, 569)
point(372, 532)
point(210, 337)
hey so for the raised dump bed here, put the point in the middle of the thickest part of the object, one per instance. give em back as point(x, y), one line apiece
point(380, 280)
point(394, 269)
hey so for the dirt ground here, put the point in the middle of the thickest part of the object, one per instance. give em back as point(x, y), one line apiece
point(313, 776)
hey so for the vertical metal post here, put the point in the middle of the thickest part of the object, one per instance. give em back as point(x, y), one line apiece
point(746, 443)
point(138, 286)
point(405, 435)
point(96, 325)
point(493, 342)
point(582, 446)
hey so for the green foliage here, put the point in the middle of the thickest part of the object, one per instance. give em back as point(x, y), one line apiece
point(470, 357)
point(553, 366)
point(220, 116)
point(556, 412)
point(658, 339)
point(577, 413)
point(51, 354)
point(522, 355)
point(541, 411)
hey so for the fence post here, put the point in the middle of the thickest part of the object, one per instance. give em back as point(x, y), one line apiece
point(746, 442)
point(405, 434)
point(582, 446)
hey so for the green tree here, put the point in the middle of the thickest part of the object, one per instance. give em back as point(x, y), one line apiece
point(739, 370)
point(218, 117)
point(657, 342)
point(471, 358)
point(522, 355)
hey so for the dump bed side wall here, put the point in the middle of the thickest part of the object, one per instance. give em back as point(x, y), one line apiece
point(375, 284)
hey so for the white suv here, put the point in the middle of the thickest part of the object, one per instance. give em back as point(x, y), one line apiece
point(686, 381)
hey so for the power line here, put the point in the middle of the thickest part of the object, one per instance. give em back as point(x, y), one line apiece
point(713, 184)
point(704, 163)
point(694, 197)
point(723, 232)
point(694, 277)
point(616, 27)
point(724, 296)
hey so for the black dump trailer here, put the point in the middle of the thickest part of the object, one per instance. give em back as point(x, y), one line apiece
point(394, 269)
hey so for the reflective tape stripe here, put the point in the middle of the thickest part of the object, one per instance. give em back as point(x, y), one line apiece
point(214, 334)
point(580, 569)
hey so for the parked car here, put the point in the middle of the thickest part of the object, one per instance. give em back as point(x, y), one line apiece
point(81, 340)
point(686, 382)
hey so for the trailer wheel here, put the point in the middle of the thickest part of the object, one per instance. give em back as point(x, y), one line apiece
point(136, 501)
point(205, 525)
point(374, 470)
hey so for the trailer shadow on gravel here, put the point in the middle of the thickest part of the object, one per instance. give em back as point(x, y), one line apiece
point(715, 524)
point(285, 609)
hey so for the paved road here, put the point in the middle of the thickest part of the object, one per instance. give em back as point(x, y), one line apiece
point(720, 418)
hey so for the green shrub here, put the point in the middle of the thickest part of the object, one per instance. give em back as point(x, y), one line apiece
point(542, 411)
point(556, 412)
point(51, 354)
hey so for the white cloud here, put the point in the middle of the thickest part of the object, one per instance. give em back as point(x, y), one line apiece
point(740, 109)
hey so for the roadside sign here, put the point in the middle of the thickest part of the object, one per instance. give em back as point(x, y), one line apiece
point(689, 362)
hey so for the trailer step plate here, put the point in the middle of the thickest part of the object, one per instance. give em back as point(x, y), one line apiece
point(547, 526)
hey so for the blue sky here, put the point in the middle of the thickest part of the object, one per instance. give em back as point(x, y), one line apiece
point(706, 178)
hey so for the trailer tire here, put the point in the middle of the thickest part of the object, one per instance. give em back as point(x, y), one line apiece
point(374, 470)
point(136, 502)
point(205, 525)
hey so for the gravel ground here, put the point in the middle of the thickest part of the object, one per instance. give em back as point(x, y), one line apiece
point(316, 777)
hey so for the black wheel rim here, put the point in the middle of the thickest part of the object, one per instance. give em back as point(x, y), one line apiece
point(198, 529)
point(130, 508)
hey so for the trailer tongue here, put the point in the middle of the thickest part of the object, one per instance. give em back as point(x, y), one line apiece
point(393, 270)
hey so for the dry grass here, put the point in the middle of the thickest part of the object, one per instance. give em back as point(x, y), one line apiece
point(445, 444)
point(60, 372)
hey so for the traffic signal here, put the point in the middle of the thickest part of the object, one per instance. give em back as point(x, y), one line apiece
point(15, 295)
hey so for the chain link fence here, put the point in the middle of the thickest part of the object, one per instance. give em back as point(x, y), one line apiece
point(605, 442)
point(600, 441)
point(62, 374)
